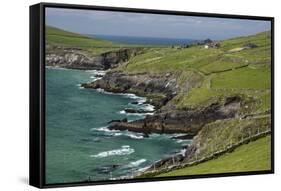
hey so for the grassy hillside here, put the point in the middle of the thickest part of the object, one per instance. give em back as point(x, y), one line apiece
point(57, 36)
point(220, 71)
point(91, 46)
point(206, 61)
point(232, 69)
point(253, 156)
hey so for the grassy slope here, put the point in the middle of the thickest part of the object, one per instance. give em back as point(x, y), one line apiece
point(61, 37)
point(250, 157)
point(93, 46)
point(221, 72)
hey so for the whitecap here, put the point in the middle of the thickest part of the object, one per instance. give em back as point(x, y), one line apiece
point(124, 150)
point(122, 112)
point(143, 169)
point(181, 141)
point(182, 152)
point(117, 133)
point(97, 72)
point(100, 90)
point(136, 163)
point(132, 96)
point(79, 86)
point(135, 114)
point(104, 129)
point(147, 107)
point(134, 136)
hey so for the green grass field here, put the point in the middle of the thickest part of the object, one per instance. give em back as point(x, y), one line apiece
point(219, 71)
point(254, 156)
point(57, 36)
point(93, 46)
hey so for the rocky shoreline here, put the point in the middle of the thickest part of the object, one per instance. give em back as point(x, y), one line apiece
point(168, 120)
point(72, 58)
point(160, 90)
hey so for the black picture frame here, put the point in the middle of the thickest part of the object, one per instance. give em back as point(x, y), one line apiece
point(37, 93)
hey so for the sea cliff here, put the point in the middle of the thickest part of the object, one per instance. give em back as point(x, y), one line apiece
point(215, 96)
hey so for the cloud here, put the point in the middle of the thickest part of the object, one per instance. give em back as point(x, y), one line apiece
point(154, 25)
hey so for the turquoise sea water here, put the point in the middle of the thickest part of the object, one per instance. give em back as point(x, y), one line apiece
point(79, 147)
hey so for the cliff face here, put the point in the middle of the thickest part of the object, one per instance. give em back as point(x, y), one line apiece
point(220, 134)
point(159, 89)
point(78, 59)
point(189, 122)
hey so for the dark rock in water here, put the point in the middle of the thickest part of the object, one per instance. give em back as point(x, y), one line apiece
point(145, 135)
point(118, 120)
point(124, 120)
point(183, 137)
point(99, 75)
point(106, 169)
point(185, 146)
point(135, 102)
point(132, 110)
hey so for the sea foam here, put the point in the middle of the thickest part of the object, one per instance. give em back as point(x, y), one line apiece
point(124, 150)
point(116, 133)
point(136, 163)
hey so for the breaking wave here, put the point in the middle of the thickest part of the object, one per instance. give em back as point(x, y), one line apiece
point(117, 133)
point(124, 150)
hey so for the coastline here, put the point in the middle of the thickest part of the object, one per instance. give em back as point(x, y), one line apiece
point(133, 135)
point(207, 94)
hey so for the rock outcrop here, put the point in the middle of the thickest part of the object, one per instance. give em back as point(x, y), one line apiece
point(78, 59)
point(189, 122)
point(158, 89)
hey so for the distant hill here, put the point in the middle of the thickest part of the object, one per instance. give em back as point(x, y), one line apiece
point(56, 36)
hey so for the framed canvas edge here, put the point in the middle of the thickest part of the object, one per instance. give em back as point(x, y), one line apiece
point(40, 92)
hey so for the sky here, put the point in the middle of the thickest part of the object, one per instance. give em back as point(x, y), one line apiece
point(151, 25)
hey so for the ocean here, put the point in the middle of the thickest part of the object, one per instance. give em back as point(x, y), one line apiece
point(145, 40)
point(80, 147)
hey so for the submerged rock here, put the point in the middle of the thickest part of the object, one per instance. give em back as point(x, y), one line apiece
point(118, 120)
point(132, 110)
point(187, 136)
